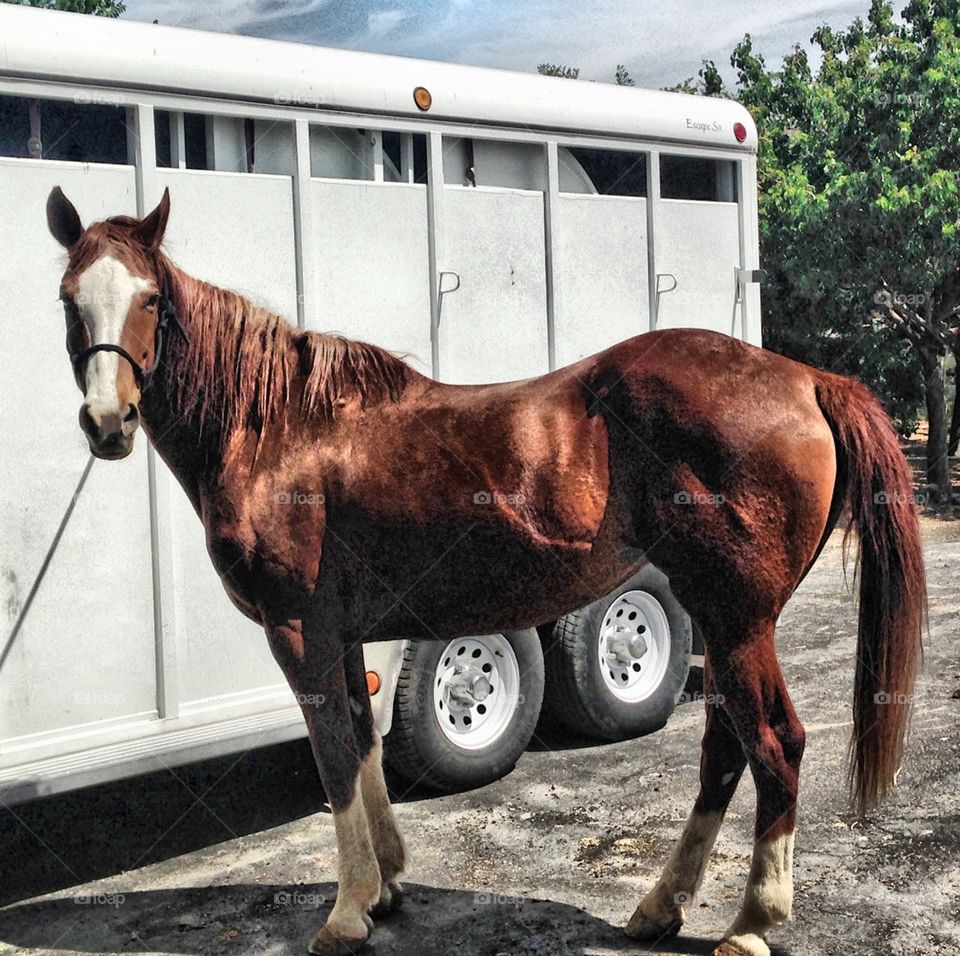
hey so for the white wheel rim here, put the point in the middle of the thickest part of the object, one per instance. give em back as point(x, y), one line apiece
point(634, 646)
point(476, 690)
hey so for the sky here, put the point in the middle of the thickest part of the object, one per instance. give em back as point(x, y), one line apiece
point(661, 42)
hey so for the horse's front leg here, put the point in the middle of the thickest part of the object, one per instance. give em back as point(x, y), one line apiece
point(387, 841)
point(314, 667)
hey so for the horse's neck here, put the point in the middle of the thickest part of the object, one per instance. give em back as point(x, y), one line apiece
point(191, 447)
point(192, 430)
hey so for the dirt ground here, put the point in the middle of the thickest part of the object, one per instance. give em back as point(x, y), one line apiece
point(237, 856)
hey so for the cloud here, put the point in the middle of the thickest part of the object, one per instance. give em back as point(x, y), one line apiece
point(659, 43)
point(384, 22)
point(225, 16)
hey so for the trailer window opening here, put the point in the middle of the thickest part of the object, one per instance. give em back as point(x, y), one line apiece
point(191, 153)
point(369, 154)
point(612, 172)
point(407, 153)
point(471, 161)
point(88, 129)
point(698, 178)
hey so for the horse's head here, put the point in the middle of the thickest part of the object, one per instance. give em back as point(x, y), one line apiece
point(115, 303)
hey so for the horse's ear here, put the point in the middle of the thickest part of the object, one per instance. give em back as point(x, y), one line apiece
point(151, 229)
point(62, 218)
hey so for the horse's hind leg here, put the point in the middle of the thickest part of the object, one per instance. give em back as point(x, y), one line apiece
point(314, 668)
point(755, 697)
point(387, 841)
point(661, 912)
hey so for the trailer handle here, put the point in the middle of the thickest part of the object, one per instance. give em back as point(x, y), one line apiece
point(666, 275)
point(743, 277)
point(442, 292)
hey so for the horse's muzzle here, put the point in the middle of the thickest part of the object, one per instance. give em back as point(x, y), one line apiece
point(110, 437)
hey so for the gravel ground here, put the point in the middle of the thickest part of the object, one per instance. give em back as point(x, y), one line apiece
point(237, 856)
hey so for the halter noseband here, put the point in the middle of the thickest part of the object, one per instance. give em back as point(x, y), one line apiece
point(166, 314)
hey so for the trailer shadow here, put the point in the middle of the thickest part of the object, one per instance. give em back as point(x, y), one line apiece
point(74, 838)
point(248, 919)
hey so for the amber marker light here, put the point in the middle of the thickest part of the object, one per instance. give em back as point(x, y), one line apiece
point(373, 682)
point(423, 99)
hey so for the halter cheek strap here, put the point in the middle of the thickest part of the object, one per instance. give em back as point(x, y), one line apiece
point(166, 315)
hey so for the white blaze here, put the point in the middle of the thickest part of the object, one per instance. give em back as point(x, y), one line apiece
point(105, 292)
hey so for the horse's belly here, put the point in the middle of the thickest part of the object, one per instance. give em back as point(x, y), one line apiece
point(479, 586)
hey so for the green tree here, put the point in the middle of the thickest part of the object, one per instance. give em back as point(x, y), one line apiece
point(860, 199)
point(709, 82)
point(621, 77)
point(100, 8)
point(556, 69)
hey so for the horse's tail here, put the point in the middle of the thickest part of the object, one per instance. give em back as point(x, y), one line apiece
point(875, 480)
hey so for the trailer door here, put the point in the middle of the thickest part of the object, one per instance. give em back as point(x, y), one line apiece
point(698, 245)
point(493, 328)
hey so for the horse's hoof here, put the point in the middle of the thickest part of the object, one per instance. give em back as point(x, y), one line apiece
point(642, 927)
point(326, 944)
point(391, 899)
point(749, 945)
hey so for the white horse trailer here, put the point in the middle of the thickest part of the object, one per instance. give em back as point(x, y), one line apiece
point(488, 225)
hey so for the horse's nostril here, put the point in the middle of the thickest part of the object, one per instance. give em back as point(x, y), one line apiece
point(131, 421)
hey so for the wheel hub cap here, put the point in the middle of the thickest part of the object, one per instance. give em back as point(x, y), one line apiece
point(467, 686)
point(625, 645)
point(476, 690)
point(634, 646)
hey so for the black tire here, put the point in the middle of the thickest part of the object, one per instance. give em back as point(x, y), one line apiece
point(419, 753)
point(577, 696)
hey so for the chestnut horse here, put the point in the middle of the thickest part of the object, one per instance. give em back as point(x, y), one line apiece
point(338, 489)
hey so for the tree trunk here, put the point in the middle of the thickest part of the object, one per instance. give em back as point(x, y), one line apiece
point(954, 442)
point(934, 380)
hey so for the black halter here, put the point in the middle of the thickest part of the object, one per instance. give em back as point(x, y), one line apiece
point(166, 314)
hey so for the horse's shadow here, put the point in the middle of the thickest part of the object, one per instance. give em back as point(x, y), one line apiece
point(269, 920)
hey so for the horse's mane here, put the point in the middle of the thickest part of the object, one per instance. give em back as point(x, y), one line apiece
point(252, 362)
point(243, 363)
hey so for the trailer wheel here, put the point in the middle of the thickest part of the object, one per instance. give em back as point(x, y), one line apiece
point(616, 668)
point(464, 711)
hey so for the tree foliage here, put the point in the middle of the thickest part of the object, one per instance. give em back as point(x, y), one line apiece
point(556, 69)
point(859, 172)
point(101, 8)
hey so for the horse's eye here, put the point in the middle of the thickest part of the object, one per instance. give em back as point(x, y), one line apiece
point(153, 300)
